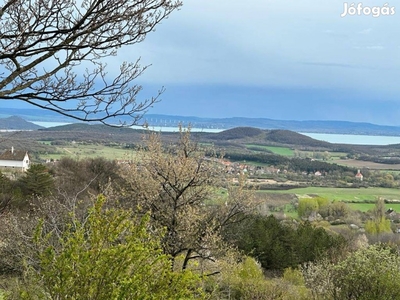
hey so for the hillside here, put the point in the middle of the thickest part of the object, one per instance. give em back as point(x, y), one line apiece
point(288, 137)
point(237, 133)
point(267, 137)
point(17, 123)
point(155, 120)
point(95, 128)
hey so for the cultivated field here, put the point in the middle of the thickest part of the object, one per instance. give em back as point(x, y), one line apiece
point(360, 196)
point(284, 151)
point(359, 164)
point(340, 194)
point(79, 151)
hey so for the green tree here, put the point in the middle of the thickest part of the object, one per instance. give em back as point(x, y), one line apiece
point(278, 246)
point(37, 181)
point(306, 207)
point(111, 255)
point(369, 273)
point(379, 223)
point(5, 192)
point(242, 278)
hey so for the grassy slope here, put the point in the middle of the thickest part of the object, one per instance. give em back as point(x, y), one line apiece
point(90, 151)
point(284, 151)
point(338, 194)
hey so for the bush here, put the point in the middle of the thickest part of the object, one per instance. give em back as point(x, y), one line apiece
point(110, 256)
point(368, 273)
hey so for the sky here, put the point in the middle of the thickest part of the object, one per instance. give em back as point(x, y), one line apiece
point(284, 59)
point(277, 59)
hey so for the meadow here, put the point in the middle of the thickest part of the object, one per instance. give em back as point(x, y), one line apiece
point(340, 194)
point(80, 151)
point(362, 198)
point(284, 151)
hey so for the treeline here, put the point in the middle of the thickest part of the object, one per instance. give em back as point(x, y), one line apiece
point(293, 164)
point(236, 133)
point(288, 137)
point(380, 160)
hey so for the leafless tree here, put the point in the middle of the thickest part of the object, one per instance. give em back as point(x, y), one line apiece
point(52, 55)
point(180, 186)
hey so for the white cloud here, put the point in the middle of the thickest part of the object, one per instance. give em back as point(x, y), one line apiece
point(259, 42)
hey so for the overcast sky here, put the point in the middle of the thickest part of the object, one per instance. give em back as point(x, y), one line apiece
point(280, 59)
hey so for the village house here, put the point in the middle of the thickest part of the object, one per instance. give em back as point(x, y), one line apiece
point(15, 159)
point(359, 176)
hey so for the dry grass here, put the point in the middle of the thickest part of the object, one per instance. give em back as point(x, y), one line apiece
point(367, 164)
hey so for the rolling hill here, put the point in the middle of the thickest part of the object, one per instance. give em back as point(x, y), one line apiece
point(17, 123)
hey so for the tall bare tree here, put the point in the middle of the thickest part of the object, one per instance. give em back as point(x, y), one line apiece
point(52, 55)
point(181, 188)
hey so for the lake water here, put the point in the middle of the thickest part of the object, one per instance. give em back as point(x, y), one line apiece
point(176, 129)
point(49, 124)
point(154, 128)
point(328, 137)
point(354, 139)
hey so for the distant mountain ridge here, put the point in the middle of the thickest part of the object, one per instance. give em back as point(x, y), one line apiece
point(265, 136)
point(17, 123)
point(314, 126)
point(237, 135)
point(158, 120)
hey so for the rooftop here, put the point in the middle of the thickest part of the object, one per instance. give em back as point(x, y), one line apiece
point(13, 155)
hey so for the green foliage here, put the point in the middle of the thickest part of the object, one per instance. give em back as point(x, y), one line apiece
point(294, 276)
point(306, 207)
point(369, 273)
point(85, 177)
point(310, 205)
point(37, 181)
point(245, 280)
point(322, 202)
point(278, 246)
point(338, 209)
point(378, 224)
point(6, 192)
point(2, 295)
point(109, 256)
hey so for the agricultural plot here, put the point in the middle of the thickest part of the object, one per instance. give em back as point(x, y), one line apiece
point(358, 197)
point(284, 151)
point(339, 194)
point(360, 164)
point(364, 207)
point(90, 151)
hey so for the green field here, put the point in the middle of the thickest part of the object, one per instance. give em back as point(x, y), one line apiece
point(284, 151)
point(369, 206)
point(339, 194)
point(90, 151)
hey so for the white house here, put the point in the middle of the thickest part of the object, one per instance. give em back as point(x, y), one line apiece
point(15, 159)
point(359, 176)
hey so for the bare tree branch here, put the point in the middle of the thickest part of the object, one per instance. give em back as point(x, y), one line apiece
point(52, 55)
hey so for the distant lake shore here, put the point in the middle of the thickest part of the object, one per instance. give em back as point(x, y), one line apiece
point(354, 139)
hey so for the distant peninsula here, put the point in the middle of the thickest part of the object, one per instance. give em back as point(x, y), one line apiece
point(163, 121)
